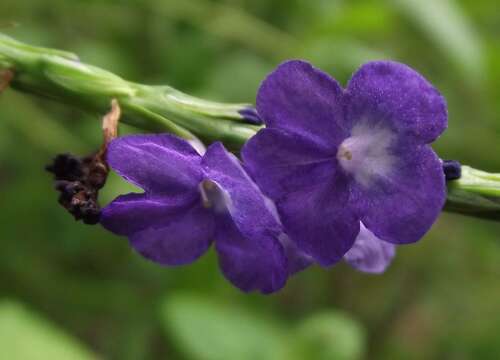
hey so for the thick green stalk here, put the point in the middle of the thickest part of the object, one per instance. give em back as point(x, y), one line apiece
point(60, 76)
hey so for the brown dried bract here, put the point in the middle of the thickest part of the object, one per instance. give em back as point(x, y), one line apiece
point(79, 179)
point(110, 122)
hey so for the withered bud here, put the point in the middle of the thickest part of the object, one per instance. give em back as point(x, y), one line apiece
point(79, 179)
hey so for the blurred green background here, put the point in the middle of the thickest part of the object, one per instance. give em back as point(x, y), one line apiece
point(70, 291)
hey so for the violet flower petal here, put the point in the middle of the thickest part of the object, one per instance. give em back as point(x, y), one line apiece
point(250, 263)
point(283, 162)
point(320, 221)
point(167, 230)
point(303, 100)
point(180, 240)
point(297, 259)
point(159, 164)
point(402, 206)
point(248, 206)
point(247, 239)
point(386, 91)
point(369, 253)
point(130, 213)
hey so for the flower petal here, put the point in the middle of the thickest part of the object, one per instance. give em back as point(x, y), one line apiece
point(319, 221)
point(247, 233)
point(369, 253)
point(402, 206)
point(248, 206)
point(160, 164)
point(386, 91)
point(250, 263)
point(130, 213)
point(304, 100)
point(282, 162)
point(297, 259)
point(166, 230)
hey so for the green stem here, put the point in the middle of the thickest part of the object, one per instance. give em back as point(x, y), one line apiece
point(476, 193)
point(60, 76)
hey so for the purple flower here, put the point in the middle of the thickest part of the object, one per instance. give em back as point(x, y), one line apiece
point(189, 200)
point(337, 160)
point(369, 253)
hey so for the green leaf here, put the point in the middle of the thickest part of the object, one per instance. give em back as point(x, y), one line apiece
point(25, 335)
point(205, 330)
point(327, 336)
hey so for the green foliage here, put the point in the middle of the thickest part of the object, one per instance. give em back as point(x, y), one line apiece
point(210, 330)
point(329, 335)
point(25, 335)
point(207, 330)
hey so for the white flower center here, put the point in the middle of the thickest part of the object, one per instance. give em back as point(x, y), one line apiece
point(366, 153)
point(214, 197)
